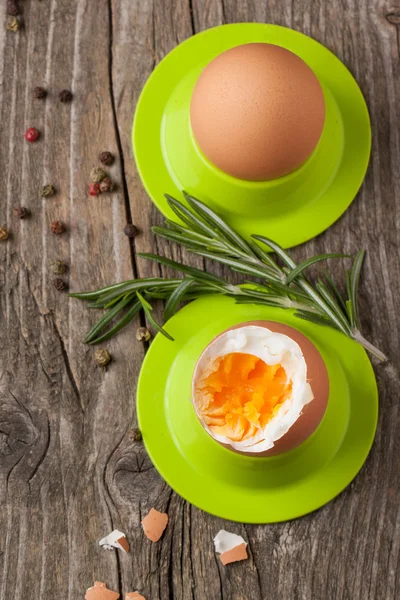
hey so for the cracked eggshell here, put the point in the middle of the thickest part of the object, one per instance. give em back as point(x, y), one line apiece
point(312, 412)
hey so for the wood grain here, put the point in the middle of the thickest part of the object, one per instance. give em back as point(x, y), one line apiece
point(70, 470)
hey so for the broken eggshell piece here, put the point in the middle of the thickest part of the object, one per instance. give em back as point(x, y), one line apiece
point(230, 546)
point(154, 524)
point(100, 592)
point(260, 388)
point(116, 539)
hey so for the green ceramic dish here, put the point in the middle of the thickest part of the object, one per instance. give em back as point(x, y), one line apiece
point(242, 488)
point(291, 209)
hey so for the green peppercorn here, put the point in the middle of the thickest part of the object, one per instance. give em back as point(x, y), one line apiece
point(47, 191)
point(102, 358)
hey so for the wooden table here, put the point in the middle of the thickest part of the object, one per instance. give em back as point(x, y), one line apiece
point(70, 468)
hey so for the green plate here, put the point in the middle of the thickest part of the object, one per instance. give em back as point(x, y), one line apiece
point(243, 488)
point(291, 209)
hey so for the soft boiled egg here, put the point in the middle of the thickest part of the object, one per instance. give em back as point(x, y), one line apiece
point(260, 388)
point(257, 111)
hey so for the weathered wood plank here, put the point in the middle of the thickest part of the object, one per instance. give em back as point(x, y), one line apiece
point(69, 467)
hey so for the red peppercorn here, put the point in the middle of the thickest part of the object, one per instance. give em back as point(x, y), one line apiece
point(94, 189)
point(31, 134)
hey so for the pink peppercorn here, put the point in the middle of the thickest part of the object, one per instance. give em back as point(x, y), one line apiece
point(94, 189)
point(31, 134)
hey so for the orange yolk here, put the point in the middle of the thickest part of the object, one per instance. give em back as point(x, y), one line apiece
point(243, 394)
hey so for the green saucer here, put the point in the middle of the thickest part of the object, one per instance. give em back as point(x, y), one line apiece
point(242, 488)
point(291, 209)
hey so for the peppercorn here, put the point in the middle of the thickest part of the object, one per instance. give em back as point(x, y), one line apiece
point(107, 185)
point(136, 434)
point(143, 334)
point(47, 191)
point(58, 267)
point(31, 134)
point(14, 24)
point(21, 212)
point(59, 284)
point(97, 174)
point(106, 158)
point(102, 357)
point(65, 96)
point(3, 234)
point(57, 227)
point(39, 92)
point(13, 8)
point(130, 230)
point(94, 189)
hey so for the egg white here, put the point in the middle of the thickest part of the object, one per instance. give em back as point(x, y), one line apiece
point(272, 348)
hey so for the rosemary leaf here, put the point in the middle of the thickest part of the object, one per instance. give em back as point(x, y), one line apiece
point(96, 293)
point(176, 298)
point(192, 271)
point(318, 319)
point(334, 290)
point(193, 221)
point(109, 316)
point(311, 261)
point(353, 286)
point(266, 259)
point(106, 300)
point(277, 249)
point(324, 292)
point(123, 322)
point(147, 307)
point(219, 224)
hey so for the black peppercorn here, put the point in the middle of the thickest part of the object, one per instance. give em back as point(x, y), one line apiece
point(106, 158)
point(107, 185)
point(59, 284)
point(65, 96)
point(21, 212)
point(130, 230)
point(57, 227)
point(39, 93)
point(13, 8)
point(137, 435)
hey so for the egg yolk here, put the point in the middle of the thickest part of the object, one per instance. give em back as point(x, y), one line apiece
point(242, 395)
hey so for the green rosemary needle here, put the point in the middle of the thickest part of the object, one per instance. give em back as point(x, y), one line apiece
point(203, 232)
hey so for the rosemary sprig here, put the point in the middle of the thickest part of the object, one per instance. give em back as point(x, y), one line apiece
point(284, 284)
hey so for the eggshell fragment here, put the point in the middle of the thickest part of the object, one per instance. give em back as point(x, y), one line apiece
point(116, 539)
point(100, 592)
point(134, 596)
point(154, 524)
point(225, 541)
point(237, 553)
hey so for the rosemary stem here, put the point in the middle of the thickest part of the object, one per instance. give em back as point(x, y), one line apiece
point(356, 335)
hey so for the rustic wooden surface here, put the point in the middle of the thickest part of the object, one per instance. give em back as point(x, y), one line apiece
point(70, 470)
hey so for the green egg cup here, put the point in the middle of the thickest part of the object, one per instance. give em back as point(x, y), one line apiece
point(291, 209)
point(243, 488)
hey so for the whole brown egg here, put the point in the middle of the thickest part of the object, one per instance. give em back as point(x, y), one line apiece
point(257, 111)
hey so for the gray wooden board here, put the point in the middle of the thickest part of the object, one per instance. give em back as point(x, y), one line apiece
point(70, 470)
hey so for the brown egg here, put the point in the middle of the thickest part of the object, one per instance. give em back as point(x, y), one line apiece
point(317, 376)
point(257, 111)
